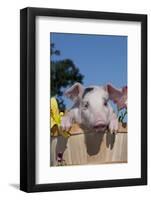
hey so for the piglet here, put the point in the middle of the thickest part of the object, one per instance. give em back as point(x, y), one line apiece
point(91, 109)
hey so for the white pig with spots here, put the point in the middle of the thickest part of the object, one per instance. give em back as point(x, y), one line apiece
point(91, 109)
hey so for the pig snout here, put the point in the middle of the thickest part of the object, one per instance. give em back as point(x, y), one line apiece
point(99, 126)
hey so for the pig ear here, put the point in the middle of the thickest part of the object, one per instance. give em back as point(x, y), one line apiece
point(124, 89)
point(118, 95)
point(75, 92)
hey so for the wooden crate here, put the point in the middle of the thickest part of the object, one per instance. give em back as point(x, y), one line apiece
point(90, 148)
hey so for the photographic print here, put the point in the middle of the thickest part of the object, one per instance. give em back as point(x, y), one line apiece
point(83, 99)
point(88, 99)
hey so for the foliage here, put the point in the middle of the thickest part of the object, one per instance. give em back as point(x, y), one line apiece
point(122, 116)
point(64, 73)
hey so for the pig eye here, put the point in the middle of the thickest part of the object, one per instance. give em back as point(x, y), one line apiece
point(105, 102)
point(86, 104)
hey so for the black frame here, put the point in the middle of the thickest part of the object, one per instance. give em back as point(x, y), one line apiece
point(27, 99)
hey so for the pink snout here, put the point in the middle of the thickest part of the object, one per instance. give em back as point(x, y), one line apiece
point(100, 125)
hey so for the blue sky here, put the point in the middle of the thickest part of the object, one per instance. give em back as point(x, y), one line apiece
point(101, 59)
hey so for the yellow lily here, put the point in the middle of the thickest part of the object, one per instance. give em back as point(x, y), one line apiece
point(56, 117)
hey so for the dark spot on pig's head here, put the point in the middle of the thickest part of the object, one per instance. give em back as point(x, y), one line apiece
point(87, 90)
